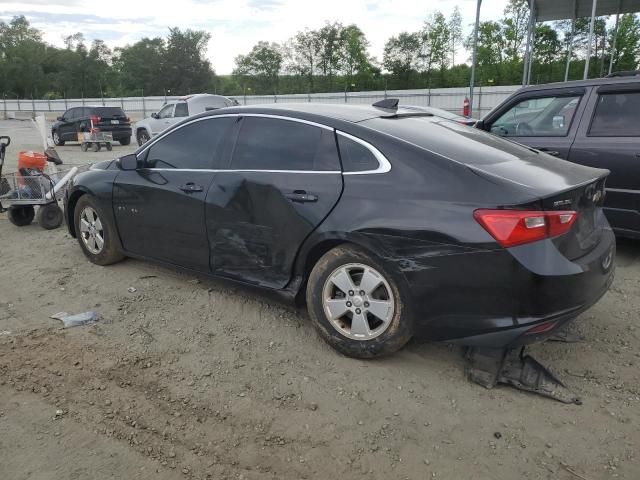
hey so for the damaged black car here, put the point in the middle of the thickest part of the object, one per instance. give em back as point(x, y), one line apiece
point(388, 223)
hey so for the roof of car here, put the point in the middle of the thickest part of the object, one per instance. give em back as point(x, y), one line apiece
point(584, 83)
point(347, 113)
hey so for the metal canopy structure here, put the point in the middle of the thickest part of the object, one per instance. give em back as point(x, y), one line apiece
point(547, 10)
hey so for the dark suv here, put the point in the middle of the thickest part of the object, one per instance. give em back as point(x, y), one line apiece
point(592, 122)
point(80, 119)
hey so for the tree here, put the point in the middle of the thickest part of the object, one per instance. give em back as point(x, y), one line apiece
point(627, 54)
point(438, 37)
point(185, 68)
point(489, 55)
point(303, 52)
point(139, 66)
point(515, 26)
point(548, 46)
point(455, 32)
point(353, 55)
point(264, 62)
point(330, 40)
point(401, 55)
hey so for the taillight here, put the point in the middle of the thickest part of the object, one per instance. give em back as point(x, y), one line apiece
point(95, 119)
point(516, 227)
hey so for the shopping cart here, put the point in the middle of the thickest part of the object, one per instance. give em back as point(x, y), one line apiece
point(21, 191)
point(94, 139)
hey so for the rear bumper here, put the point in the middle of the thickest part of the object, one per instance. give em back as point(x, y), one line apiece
point(493, 299)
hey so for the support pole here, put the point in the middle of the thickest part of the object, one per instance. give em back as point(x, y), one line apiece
point(527, 52)
point(615, 38)
point(570, 50)
point(591, 25)
point(534, 13)
point(473, 57)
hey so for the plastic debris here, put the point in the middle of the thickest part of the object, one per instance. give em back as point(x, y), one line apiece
point(131, 289)
point(76, 320)
point(4, 332)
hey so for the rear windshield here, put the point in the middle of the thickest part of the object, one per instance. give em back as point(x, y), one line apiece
point(450, 139)
point(109, 112)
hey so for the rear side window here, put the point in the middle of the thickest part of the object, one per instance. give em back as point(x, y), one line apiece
point(355, 156)
point(616, 115)
point(181, 110)
point(538, 117)
point(273, 144)
point(194, 146)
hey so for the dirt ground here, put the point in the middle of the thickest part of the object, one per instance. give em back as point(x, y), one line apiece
point(195, 378)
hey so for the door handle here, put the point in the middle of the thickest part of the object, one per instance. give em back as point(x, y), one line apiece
point(191, 188)
point(554, 153)
point(301, 196)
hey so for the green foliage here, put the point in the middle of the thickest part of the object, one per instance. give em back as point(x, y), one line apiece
point(333, 57)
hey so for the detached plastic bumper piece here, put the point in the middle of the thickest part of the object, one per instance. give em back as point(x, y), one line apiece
point(491, 366)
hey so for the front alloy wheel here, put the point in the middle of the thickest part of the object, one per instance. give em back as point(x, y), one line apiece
point(91, 230)
point(95, 232)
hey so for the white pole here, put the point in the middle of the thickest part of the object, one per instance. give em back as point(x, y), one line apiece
point(473, 58)
point(615, 38)
point(527, 51)
point(591, 25)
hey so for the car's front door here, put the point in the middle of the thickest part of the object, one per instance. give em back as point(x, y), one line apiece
point(542, 120)
point(67, 129)
point(164, 120)
point(611, 139)
point(283, 180)
point(159, 208)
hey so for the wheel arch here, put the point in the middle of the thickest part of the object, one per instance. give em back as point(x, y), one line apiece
point(315, 248)
point(71, 207)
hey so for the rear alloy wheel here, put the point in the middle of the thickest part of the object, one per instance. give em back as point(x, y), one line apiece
point(22, 215)
point(143, 137)
point(356, 305)
point(50, 216)
point(95, 234)
point(56, 139)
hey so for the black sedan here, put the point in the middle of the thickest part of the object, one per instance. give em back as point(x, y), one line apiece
point(389, 224)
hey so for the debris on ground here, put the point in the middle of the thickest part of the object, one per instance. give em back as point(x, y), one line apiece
point(131, 289)
point(76, 320)
point(490, 366)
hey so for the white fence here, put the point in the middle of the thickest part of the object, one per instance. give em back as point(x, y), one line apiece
point(451, 99)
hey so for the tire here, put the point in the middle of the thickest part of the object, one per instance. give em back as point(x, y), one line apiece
point(87, 209)
point(374, 337)
point(84, 147)
point(21, 216)
point(109, 147)
point(56, 139)
point(125, 141)
point(50, 216)
point(95, 147)
point(142, 137)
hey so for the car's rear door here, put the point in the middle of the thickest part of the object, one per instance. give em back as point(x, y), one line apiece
point(159, 208)
point(283, 180)
point(67, 130)
point(609, 137)
point(546, 119)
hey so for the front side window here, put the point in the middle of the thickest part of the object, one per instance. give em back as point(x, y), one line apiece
point(538, 117)
point(197, 145)
point(182, 110)
point(274, 144)
point(166, 111)
point(616, 115)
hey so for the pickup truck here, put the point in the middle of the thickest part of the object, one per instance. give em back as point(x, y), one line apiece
point(591, 122)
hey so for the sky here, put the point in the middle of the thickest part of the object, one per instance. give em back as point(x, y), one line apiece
point(235, 25)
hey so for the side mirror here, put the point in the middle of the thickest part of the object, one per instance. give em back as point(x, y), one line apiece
point(60, 119)
point(155, 115)
point(128, 162)
point(479, 124)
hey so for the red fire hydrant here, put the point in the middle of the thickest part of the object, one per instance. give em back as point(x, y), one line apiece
point(465, 107)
